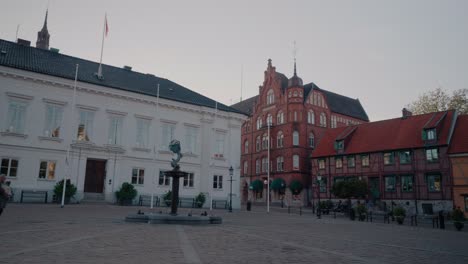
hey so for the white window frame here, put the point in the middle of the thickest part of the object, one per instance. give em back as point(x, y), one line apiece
point(280, 163)
point(47, 170)
point(115, 130)
point(53, 124)
point(259, 122)
point(295, 138)
point(189, 180)
point(311, 117)
point(246, 167)
point(191, 139)
point(280, 139)
point(323, 119)
point(142, 132)
point(270, 97)
point(9, 167)
point(264, 164)
point(219, 144)
point(295, 162)
point(167, 135)
point(140, 178)
point(217, 182)
point(257, 166)
point(87, 117)
point(269, 119)
point(166, 180)
point(311, 140)
point(280, 117)
point(246, 147)
point(16, 108)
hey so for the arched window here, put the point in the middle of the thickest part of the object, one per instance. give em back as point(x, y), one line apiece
point(295, 116)
point(259, 122)
point(323, 120)
point(257, 166)
point(265, 141)
point(295, 138)
point(246, 167)
point(311, 140)
point(295, 162)
point(279, 164)
point(246, 147)
point(280, 117)
point(264, 164)
point(269, 119)
point(279, 139)
point(270, 97)
point(310, 117)
point(258, 144)
point(333, 121)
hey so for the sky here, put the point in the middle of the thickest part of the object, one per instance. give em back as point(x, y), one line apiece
point(385, 53)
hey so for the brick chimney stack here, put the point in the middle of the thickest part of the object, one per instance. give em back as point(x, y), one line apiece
point(406, 113)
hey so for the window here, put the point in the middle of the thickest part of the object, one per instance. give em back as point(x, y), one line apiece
point(295, 162)
point(351, 162)
point(218, 182)
point(323, 120)
point(191, 140)
point(280, 117)
point(47, 170)
point(406, 183)
point(295, 138)
point(323, 185)
point(142, 135)
point(295, 116)
point(279, 140)
point(390, 183)
point(270, 97)
point(338, 179)
point(365, 160)
point(339, 144)
point(138, 176)
point(258, 144)
point(246, 167)
point(310, 117)
point(269, 119)
point(167, 135)
point(188, 180)
point(257, 166)
point(431, 134)
point(265, 141)
point(388, 158)
point(53, 120)
point(333, 121)
point(339, 163)
point(434, 183)
point(279, 163)
point(311, 140)
point(321, 164)
point(264, 164)
point(115, 130)
point(246, 147)
point(219, 144)
point(432, 154)
point(16, 117)
point(9, 167)
point(259, 122)
point(163, 179)
point(85, 126)
point(405, 157)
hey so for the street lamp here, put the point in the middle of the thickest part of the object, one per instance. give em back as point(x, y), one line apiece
point(231, 172)
point(319, 179)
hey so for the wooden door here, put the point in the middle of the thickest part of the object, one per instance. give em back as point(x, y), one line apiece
point(95, 176)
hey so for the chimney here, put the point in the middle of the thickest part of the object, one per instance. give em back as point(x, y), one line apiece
point(406, 113)
point(24, 42)
point(127, 68)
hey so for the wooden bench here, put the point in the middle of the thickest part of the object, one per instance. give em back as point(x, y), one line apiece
point(216, 203)
point(145, 200)
point(34, 196)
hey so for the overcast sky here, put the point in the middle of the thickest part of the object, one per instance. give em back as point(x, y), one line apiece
point(386, 53)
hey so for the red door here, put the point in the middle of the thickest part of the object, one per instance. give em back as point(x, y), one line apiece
point(95, 176)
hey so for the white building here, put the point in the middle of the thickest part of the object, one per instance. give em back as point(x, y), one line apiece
point(118, 130)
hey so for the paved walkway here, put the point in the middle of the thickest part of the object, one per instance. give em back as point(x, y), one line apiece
point(36, 233)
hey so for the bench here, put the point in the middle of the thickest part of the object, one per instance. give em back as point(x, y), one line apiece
point(34, 196)
point(186, 202)
point(219, 203)
point(145, 200)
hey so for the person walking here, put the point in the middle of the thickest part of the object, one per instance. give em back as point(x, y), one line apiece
point(4, 193)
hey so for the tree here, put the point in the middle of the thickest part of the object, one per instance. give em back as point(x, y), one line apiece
point(349, 189)
point(439, 100)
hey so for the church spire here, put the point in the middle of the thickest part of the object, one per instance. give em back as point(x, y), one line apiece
point(43, 36)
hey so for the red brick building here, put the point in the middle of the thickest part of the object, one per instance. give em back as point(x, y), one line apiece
point(299, 116)
point(404, 160)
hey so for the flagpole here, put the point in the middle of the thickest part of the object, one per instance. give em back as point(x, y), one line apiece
point(99, 73)
point(68, 147)
point(154, 148)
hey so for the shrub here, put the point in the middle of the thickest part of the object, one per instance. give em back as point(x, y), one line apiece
point(399, 211)
point(127, 192)
point(457, 215)
point(296, 187)
point(167, 196)
point(361, 209)
point(70, 190)
point(257, 185)
point(200, 199)
point(278, 185)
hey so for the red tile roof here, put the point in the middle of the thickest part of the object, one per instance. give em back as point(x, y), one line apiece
point(459, 142)
point(392, 134)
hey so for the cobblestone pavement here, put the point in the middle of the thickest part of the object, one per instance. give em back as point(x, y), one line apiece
point(36, 233)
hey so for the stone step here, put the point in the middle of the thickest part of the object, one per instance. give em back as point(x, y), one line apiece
point(93, 196)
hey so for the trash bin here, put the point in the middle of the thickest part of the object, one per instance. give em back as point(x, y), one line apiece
point(249, 205)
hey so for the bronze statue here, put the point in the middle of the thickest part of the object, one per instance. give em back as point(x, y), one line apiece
point(174, 146)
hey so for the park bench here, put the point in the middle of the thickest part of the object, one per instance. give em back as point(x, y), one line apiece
point(145, 200)
point(220, 203)
point(187, 202)
point(33, 196)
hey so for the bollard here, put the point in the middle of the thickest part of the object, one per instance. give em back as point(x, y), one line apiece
point(249, 205)
point(300, 210)
point(289, 209)
point(441, 220)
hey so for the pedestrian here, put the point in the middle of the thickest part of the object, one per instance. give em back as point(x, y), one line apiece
point(4, 193)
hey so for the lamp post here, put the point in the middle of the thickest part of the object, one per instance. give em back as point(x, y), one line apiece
point(231, 172)
point(319, 179)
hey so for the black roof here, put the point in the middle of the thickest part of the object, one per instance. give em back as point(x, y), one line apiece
point(55, 64)
point(246, 106)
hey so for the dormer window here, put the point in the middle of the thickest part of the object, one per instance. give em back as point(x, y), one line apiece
point(429, 134)
point(339, 144)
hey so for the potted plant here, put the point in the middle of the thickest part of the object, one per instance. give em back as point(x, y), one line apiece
point(361, 211)
point(126, 194)
point(458, 218)
point(167, 197)
point(399, 213)
point(200, 200)
point(70, 191)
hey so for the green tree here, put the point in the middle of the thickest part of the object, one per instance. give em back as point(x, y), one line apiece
point(439, 100)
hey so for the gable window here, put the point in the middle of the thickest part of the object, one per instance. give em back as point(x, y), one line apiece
point(310, 117)
point(279, 163)
point(323, 120)
point(279, 140)
point(434, 182)
point(280, 117)
point(265, 141)
point(321, 164)
point(163, 179)
point(115, 130)
point(188, 180)
point(406, 183)
point(390, 183)
point(167, 135)
point(85, 126)
point(257, 166)
point(339, 162)
point(388, 158)
point(191, 140)
point(295, 162)
point(432, 154)
point(259, 122)
point(9, 167)
point(16, 117)
point(47, 170)
point(295, 138)
point(138, 176)
point(339, 144)
point(365, 160)
point(53, 120)
point(246, 147)
point(218, 182)
point(405, 157)
point(311, 140)
point(270, 97)
point(351, 162)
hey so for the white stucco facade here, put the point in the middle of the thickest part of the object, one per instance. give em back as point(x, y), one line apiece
point(36, 91)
